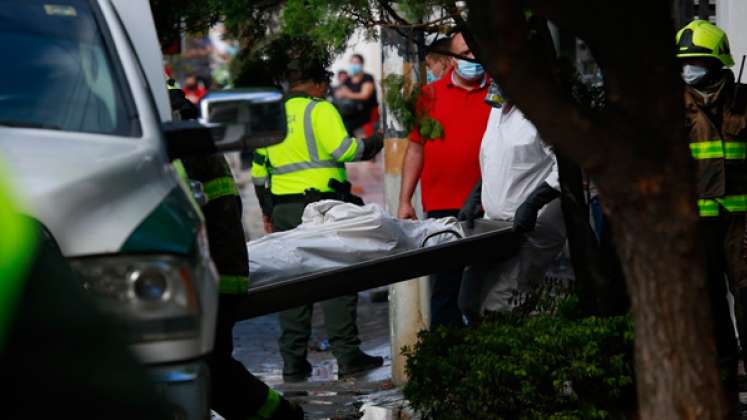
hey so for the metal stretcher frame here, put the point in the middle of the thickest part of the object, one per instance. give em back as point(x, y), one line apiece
point(488, 242)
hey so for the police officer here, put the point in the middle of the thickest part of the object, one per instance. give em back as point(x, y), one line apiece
point(308, 166)
point(235, 392)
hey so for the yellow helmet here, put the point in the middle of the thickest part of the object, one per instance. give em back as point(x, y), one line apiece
point(701, 38)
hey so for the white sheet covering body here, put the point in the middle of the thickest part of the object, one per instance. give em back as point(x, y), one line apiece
point(334, 234)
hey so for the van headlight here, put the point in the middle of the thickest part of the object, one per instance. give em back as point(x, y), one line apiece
point(154, 297)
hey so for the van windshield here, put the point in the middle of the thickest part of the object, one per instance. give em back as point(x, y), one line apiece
point(56, 72)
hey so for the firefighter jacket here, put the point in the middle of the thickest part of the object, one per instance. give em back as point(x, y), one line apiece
point(717, 125)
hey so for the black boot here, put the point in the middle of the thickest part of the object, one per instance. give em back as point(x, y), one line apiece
point(358, 362)
point(297, 375)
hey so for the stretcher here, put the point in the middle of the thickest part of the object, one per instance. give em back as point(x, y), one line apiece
point(489, 241)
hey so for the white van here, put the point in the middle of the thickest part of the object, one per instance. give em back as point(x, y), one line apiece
point(85, 126)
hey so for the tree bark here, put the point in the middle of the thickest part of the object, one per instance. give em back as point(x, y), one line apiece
point(636, 150)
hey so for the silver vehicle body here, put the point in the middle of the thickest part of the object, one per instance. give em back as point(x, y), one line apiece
point(92, 191)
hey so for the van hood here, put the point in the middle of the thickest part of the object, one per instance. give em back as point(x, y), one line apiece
point(91, 191)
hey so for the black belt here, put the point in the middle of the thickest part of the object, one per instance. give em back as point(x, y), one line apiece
point(303, 198)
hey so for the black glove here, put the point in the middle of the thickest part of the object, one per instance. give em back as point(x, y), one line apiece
point(472, 208)
point(525, 218)
point(372, 146)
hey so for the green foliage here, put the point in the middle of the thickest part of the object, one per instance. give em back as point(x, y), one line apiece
point(279, 59)
point(517, 367)
point(402, 103)
point(323, 21)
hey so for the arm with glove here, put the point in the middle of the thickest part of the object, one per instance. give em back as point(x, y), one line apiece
point(472, 208)
point(525, 218)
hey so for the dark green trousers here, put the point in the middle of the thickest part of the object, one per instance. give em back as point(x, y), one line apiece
point(339, 313)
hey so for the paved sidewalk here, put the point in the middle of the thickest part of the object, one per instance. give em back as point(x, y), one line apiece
point(323, 396)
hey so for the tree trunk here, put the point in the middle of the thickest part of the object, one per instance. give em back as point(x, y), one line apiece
point(599, 279)
point(636, 150)
point(676, 370)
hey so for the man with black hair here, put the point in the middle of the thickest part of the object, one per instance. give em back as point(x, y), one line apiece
point(308, 166)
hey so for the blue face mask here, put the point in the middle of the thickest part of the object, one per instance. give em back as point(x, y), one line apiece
point(355, 68)
point(470, 70)
point(430, 77)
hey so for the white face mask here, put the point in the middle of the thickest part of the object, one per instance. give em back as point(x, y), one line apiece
point(692, 74)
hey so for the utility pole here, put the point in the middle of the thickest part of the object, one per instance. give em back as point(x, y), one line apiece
point(409, 302)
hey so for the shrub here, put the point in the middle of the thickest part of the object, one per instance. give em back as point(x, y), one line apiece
point(517, 367)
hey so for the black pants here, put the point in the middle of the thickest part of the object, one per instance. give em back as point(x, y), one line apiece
point(445, 288)
point(721, 238)
point(236, 393)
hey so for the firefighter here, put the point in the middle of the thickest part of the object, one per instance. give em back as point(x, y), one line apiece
point(308, 166)
point(235, 392)
point(716, 118)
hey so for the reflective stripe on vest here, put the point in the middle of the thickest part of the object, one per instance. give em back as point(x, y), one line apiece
point(233, 285)
point(716, 149)
point(302, 151)
point(732, 203)
point(272, 402)
point(220, 187)
point(308, 130)
point(295, 167)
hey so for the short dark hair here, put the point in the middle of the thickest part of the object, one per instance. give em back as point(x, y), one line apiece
point(439, 46)
point(359, 57)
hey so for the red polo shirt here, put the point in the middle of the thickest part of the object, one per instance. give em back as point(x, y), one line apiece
point(451, 164)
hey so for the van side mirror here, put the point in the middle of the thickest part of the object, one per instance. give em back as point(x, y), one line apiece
point(244, 119)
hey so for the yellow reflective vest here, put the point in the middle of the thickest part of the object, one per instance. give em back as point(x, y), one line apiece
point(314, 151)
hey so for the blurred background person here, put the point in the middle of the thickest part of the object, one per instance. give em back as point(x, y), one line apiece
point(437, 63)
point(359, 89)
point(194, 89)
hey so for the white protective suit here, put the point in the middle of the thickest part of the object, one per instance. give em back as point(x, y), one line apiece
point(514, 161)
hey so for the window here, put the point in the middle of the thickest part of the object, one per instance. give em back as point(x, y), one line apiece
point(57, 73)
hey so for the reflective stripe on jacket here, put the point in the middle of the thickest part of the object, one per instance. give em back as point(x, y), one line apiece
point(314, 151)
point(718, 143)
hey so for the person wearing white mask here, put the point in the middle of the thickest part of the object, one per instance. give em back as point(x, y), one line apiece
point(360, 89)
point(446, 164)
point(716, 116)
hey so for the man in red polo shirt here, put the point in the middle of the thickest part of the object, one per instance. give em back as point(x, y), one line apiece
point(447, 167)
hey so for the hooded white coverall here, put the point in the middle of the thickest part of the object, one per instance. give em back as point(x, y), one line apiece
point(514, 161)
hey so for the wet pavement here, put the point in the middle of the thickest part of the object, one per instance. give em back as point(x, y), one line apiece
point(324, 396)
